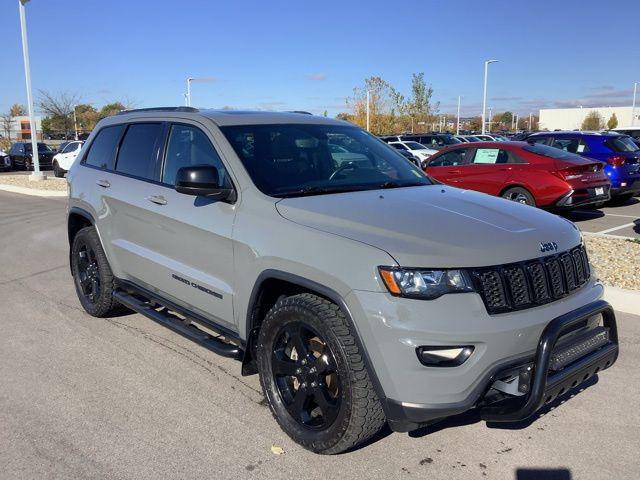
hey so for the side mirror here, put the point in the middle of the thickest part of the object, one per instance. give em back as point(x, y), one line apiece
point(201, 180)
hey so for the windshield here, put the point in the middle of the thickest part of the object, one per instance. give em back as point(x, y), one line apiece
point(42, 147)
point(551, 152)
point(415, 145)
point(622, 144)
point(287, 160)
point(449, 140)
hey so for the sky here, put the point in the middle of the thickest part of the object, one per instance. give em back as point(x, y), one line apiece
point(309, 55)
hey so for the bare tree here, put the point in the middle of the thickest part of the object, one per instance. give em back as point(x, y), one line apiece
point(17, 110)
point(59, 108)
point(6, 121)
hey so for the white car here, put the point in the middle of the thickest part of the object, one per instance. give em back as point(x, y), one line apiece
point(468, 138)
point(63, 160)
point(414, 148)
point(5, 161)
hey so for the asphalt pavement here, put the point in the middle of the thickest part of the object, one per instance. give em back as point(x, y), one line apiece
point(125, 398)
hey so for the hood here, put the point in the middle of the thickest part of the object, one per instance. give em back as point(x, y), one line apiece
point(435, 226)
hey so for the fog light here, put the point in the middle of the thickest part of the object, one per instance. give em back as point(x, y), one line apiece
point(444, 356)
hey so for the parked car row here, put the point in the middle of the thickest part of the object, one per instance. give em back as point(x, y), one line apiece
point(20, 157)
point(553, 170)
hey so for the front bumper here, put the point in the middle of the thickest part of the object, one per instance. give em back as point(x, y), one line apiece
point(413, 394)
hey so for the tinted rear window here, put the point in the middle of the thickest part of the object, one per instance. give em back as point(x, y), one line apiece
point(103, 149)
point(622, 144)
point(138, 152)
point(551, 152)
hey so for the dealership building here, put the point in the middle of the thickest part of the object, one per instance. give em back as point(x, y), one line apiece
point(572, 118)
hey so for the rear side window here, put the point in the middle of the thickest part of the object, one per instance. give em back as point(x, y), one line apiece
point(491, 156)
point(103, 148)
point(189, 146)
point(139, 150)
point(572, 145)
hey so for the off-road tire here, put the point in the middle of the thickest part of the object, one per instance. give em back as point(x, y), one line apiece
point(361, 415)
point(104, 305)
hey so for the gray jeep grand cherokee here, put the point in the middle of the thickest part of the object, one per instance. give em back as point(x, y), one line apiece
point(360, 290)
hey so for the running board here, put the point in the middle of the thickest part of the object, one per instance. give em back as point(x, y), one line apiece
point(183, 327)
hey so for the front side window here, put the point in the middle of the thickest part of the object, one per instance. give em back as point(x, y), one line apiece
point(139, 149)
point(295, 159)
point(103, 148)
point(189, 146)
point(451, 159)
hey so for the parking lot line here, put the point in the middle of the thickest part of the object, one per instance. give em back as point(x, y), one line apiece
point(597, 214)
point(617, 228)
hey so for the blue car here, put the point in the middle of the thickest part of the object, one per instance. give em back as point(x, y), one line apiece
point(618, 152)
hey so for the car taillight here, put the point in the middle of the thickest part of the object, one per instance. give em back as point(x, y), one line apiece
point(568, 174)
point(616, 161)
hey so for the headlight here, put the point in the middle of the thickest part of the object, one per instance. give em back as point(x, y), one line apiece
point(423, 282)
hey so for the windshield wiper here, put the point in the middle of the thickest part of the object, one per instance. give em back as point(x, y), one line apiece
point(315, 190)
point(392, 184)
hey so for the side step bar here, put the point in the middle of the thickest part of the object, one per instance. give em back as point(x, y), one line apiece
point(183, 327)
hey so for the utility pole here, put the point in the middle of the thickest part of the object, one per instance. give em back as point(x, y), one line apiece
point(75, 122)
point(633, 107)
point(458, 120)
point(368, 100)
point(37, 175)
point(530, 124)
point(490, 118)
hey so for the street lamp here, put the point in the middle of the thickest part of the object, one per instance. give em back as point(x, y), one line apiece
point(633, 106)
point(458, 120)
point(530, 117)
point(484, 95)
point(193, 79)
point(37, 175)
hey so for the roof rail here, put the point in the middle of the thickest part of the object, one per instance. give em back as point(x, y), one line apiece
point(159, 109)
point(300, 111)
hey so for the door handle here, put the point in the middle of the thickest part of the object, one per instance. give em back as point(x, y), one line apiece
point(157, 199)
point(103, 183)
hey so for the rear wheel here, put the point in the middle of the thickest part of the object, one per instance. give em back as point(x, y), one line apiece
point(313, 375)
point(92, 274)
point(520, 195)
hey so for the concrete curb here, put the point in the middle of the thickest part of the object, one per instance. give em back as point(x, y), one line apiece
point(622, 300)
point(33, 191)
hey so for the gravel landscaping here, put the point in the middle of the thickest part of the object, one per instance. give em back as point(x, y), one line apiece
point(617, 261)
point(51, 183)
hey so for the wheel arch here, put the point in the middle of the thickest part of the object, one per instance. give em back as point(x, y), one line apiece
point(258, 303)
point(77, 219)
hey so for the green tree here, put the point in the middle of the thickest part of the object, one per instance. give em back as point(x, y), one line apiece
point(593, 121)
point(613, 121)
point(111, 109)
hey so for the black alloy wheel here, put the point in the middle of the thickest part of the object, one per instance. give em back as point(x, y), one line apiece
point(305, 372)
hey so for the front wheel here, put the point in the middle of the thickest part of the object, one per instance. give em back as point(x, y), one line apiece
point(57, 171)
point(520, 195)
point(313, 375)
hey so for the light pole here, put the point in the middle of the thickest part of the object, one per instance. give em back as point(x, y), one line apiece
point(490, 118)
point(633, 106)
point(37, 175)
point(194, 79)
point(530, 116)
point(458, 118)
point(484, 94)
point(368, 101)
point(75, 122)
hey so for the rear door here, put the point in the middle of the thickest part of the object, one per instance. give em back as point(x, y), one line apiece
point(488, 171)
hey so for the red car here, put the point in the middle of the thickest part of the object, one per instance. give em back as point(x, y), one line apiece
point(535, 174)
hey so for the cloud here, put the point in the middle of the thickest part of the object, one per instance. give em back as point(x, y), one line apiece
point(607, 93)
point(316, 77)
point(505, 99)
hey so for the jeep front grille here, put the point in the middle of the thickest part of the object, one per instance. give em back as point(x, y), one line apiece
point(523, 285)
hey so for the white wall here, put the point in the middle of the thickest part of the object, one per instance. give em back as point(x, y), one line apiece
point(572, 118)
